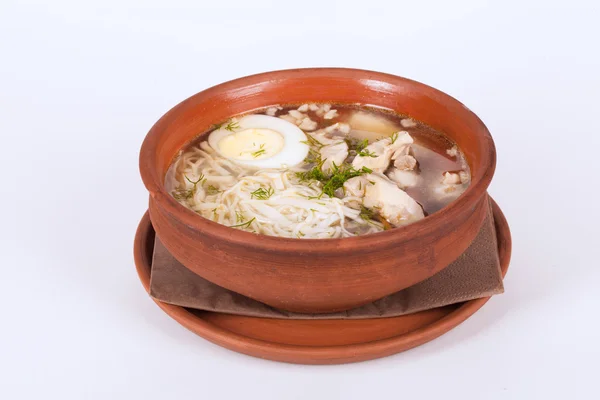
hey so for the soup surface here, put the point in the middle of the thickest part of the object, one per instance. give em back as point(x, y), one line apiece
point(318, 171)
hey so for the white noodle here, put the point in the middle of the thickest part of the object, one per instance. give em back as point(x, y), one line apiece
point(294, 209)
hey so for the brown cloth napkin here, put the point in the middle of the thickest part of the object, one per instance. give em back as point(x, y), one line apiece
point(476, 273)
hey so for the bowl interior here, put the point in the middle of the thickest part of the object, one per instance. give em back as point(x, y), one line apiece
point(197, 114)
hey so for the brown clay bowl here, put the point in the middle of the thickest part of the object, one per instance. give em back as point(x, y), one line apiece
point(317, 275)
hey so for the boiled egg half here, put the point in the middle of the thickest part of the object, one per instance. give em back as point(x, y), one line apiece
point(260, 141)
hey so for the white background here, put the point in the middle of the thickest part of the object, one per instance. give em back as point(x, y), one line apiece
point(82, 82)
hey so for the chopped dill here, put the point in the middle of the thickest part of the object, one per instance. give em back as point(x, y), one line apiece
point(313, 156)
point(366, 213)
point(210, 190)
point(360, 146)
point(184, 194)
point(200, 179)
point(371, 182)
point(372, 216)
point(259, 152)
point(244, 224)
point(262, 193)
point(311, 141)
point(366, 153)
point(239, 217)
point(312, 209)
point(394, 137)
point(214, 211)
point(232, 125)
point(300, 234)
point(339, 175)
point(315, 173)
point(361, 149)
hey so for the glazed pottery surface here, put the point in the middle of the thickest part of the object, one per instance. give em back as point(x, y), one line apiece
point(318, 341)
point(317, 275)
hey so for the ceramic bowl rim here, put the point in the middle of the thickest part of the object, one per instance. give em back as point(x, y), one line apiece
point(154, 183)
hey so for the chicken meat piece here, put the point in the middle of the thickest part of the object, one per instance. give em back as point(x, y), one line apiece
point(405, 162)
point(451, 178)
point(333, 153)
point(377, 155)
point(404, 179)
point(300, 119)
point(332, 149)
point(408, 123)
point(381, 194)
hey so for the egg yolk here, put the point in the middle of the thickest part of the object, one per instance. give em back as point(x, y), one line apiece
point(251, 144)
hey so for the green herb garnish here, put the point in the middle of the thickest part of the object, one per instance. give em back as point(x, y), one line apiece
point(394, 137)
point(311, 141)
point(336, 178)
point(243, 225)
point(259, 152)
point(211, 190)
point(239, 217)
point(366, 153)
point(184, 194)
point(366, 214)
point(232, 125)
point(339, 176)
point(200, 179)
point(361, 149)
point(360, 146)
point(262, 194)
point(315, 173)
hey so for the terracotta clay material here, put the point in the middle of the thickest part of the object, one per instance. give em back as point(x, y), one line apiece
point(317, 275)
point(318, 341)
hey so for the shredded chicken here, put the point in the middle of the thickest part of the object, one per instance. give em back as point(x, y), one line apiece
point(308, 124)
point(451, 184)
point(404, 179)
point(271, 111)
point(384, 196)
point(451, 178)
point(453, 152)
point(377, 155)
point(405, 162)
point(300, 119)
point(443, 192)
point(408, 123)
point(338, 127)
point(288, 118)
point(323, 109)
point(333, 149)
point(331, 114)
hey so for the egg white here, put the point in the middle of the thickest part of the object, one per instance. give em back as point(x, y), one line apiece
point(292, 153)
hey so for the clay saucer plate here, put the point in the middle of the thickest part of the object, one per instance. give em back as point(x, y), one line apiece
point(318, 341)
